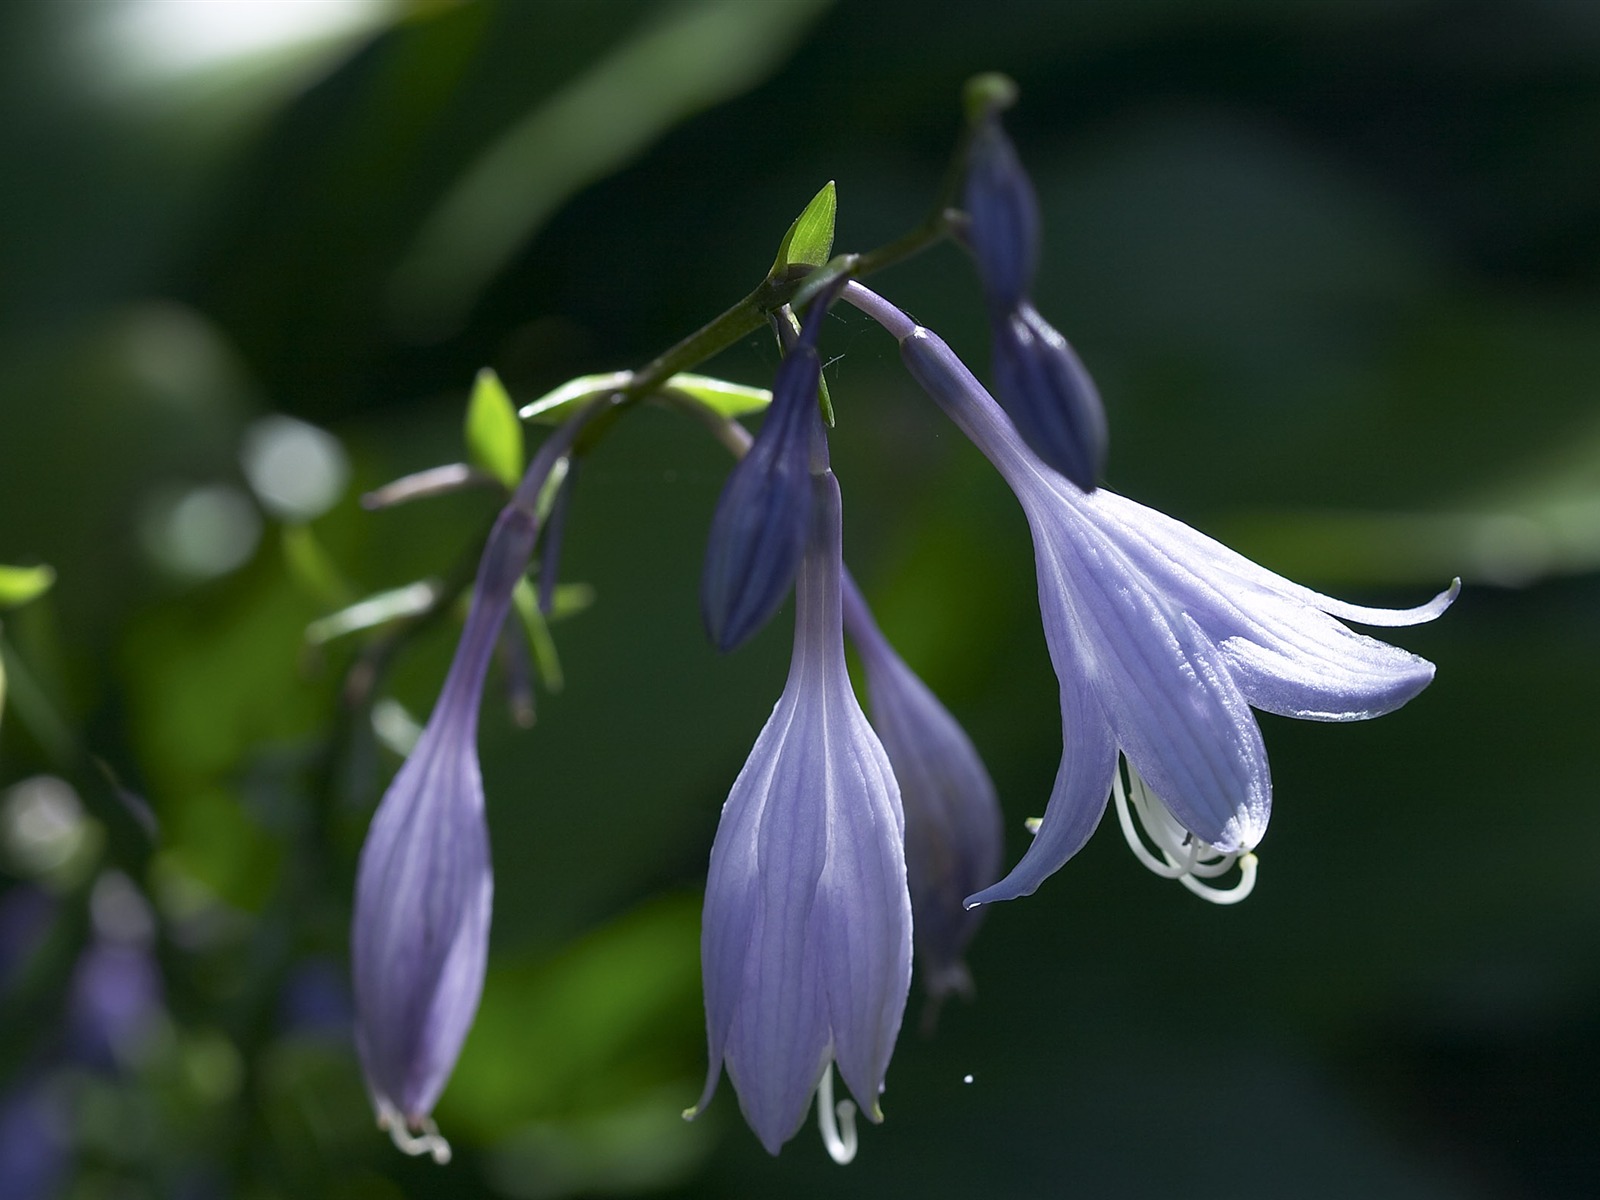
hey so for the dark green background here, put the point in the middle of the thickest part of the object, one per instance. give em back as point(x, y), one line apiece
point(1336, 267)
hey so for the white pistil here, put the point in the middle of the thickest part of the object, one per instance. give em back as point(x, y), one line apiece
point(424, 1139)
point(1184, 857)
point(837, 1121)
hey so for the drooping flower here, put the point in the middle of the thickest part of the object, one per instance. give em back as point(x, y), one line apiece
point(806, 940)
point(1163, 640)
point(758, 531)
point(1041, 382)
point(953, 824)
point(424, 885)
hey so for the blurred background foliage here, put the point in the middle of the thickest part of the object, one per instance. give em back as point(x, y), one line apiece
point(1336, 266)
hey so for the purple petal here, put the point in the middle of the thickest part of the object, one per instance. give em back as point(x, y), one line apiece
point(1004, 215)
point(952, 816)
point(807, 928)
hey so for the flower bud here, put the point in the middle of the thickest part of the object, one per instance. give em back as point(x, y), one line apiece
point(953, 824)
point(1049, 396)
point(1004, 216)
point(758, 531)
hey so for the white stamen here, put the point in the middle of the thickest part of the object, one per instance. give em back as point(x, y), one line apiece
point(1184, 857)
point(840, 1143)
point(425, 1139)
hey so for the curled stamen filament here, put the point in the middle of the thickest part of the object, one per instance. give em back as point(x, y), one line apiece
point(837, 1121)
point(1184, 857)
point(424, 1139)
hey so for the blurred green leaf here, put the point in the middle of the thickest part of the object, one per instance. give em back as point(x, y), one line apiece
point(810, 239)
point(18, 585)
point(694, 56)
point(545, 659)
point(721, 397)
point(494, 435)
point(311, 566)
point(604, 1020)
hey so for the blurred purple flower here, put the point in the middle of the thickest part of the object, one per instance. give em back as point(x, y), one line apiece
point(953, 824)
point(1162, 641)
point(806, 940)
point(33, 1143)
point(26, 913)
point(114, 1003)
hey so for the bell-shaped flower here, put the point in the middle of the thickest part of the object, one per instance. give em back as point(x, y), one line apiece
point(806, 940)
point(1049, 396)
point(1162, 641)
point(424, 886)
point(953, 823)
point(758, 531)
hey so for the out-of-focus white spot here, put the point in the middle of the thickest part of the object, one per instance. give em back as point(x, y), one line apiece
point(394, 726)
point(158, 39)
point(119, 911)
point(202, 532)
point(297, 470)
point(966, 1079)
point(42, 824)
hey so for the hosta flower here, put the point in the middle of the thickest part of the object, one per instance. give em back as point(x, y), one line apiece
point(806, 940)
point(758, 531)
point(1044, 387)
point(953, 825)
point(1163, 640)
point(420, 934)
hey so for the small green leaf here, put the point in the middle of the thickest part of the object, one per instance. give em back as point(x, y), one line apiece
point(545, 660)
point(18, 585)
point(554, 407)
point(721, 397)
point(494, 435)
point(570, 599)
point(810, 239)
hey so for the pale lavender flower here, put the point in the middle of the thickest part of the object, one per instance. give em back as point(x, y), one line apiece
point(424, 885)
point(806, 940)
point(1163, 640)
point(953, 824)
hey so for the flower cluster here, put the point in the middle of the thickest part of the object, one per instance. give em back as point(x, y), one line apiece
point(845, 843)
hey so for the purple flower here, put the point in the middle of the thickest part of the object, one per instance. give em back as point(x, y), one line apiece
point(1048, 395)
point(758, 531)
point(420, 933)
point(953, 825)
point(1038, 377)
point(806, 940)
point(1003, 214)
point(1163, 640)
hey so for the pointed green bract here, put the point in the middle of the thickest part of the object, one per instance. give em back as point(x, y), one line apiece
point(810, 239)
point(18, 585)
point(721, 397)
point(494, 435)
point(555, 406)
